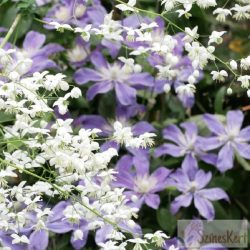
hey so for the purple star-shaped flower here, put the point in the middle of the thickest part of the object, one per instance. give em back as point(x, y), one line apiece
point(229, 138)
point(184, 144)
point(112, 76)
point(141, 187)
point(193, 188)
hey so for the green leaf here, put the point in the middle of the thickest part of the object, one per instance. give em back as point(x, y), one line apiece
point(242, 162)
point(219, 100)
point(166, 220)
point(222, 182)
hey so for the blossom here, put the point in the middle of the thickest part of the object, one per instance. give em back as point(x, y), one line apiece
point(140, 185)
point(219, 76)
point(127, 7)
point(78, 13)
point(184, 144)
point(216, 37)
point(229, 138)
point(222, 14)
point(193, 188)
point(112, 76)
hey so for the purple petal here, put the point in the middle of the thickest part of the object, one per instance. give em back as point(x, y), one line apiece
point(168, 149)
point(79, 244)
point(141, 128)
point(49, 49)
point(98, 88)
point(141, 164)
point(98, 60)
point(191, 129)
point(138, 80)
point(39, 240)
point(152, 200)
point(189, 165)
point(213, 194)
point(93, 121)
point(86, 75)
point(244, 134)
point(112, 46)
point(204, 207)
point(202, 178)
point(235, 120)
point(209, 158)
point(161, 174)
point(109, 144)
point(225, 158)
point(102, 233)
point(125, 94)
point(172, 133)
point(209, 143)
point(33, 41)
point(214, 125)
point(183, 200)
point(243, 150)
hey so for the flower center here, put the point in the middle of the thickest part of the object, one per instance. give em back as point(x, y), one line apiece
point(80, 10)
point(62, 14)
point(77, 54)
point(193, 186)
point(144, 183)
point(114, 73)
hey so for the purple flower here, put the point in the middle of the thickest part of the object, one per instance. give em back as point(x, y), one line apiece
point(193, 189)
point(79, 13)
point(112, 76)
point(33, 48)
point(229, 137)
point(141, 187)
point(184, 144)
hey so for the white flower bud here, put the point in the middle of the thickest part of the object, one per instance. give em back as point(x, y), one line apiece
point(229, 91)
point(233, 65)
point(248, 93)
point(166, 88)
point(14, 76)
point(75, 93)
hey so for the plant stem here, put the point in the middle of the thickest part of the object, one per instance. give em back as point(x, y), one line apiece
point(11, 30)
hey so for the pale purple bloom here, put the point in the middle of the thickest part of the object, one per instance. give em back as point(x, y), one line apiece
point(184, 144)
point(34, 48)
point(229, 138)
point(79, 13)
point(193, 188)
point(112, 76)
point(141, 187)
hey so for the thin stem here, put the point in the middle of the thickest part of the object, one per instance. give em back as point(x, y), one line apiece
point(11, 30)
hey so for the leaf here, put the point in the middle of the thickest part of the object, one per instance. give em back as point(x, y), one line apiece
point(242, 162)
point(166, 220)
point(222, 182)
point(219, 100)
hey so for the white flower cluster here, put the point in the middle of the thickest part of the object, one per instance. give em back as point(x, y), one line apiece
point(72, 166)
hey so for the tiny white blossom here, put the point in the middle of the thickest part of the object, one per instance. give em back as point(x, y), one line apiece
point(216, 37)
point(128, 6)
point(219, 76)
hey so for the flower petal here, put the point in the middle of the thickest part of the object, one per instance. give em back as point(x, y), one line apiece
point(39, 240)
point(86, 75)
point(225, 158)
point(243, 149)
point(126, 95)
point(234, 120)
point(98, 88)
point(152, 200)
point(168, 149)
point(204, 206)
point(213, 194)
point(183, 200)
point(33, 41)
point(214, 125)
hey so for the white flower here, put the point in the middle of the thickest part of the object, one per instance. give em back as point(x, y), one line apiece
point(245, 63)
point(122, 134)
point(219, 76)
point(248, 93)
point(233, 65)
point(85, 32)
point(158, 238)
point(186, 90)
point(216, 37)
point(78, 235)
point(222, 14)
point(166, 88)
point(75, 92)
point(61, 27)
point(138, 243)
point(19, 239)
point(191, 35)
point(244, 81)
point(127, 6)
point(242, 12)
point(206, 3)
